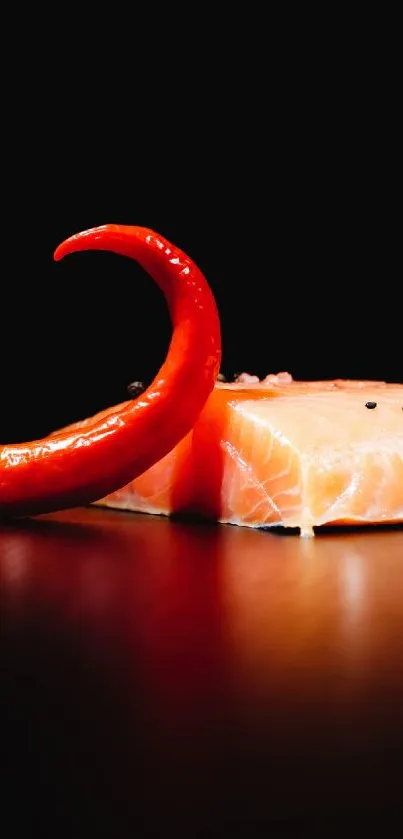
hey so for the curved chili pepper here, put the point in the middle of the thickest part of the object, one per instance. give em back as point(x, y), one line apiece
point(80, 465)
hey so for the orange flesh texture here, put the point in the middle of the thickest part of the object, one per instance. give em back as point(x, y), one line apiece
point(297, 454)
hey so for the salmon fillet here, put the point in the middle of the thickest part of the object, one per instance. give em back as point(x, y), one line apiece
point(283, 452)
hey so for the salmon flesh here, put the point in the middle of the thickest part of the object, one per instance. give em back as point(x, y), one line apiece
point(279, 452)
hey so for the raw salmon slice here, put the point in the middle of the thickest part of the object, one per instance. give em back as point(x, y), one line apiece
point(283, 452)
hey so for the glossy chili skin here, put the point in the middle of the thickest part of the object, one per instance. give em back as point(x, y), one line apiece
point(84, 463)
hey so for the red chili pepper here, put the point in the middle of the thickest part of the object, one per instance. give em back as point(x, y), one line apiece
point(80, 465)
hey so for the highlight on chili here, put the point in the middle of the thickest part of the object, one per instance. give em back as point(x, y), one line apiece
point(86, 462)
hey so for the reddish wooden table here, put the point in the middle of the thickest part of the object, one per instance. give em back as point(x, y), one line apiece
point(156, 671)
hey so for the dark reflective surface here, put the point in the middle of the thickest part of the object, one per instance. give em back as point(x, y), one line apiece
point(157, 672)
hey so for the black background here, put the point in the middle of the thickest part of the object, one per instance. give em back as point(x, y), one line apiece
point(279, 175)
point(290, 212)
